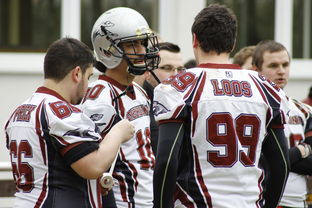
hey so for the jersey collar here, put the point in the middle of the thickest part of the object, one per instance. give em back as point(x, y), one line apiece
point(113, 82)
point(219, 66)
point(46, 90)
point(130, 90)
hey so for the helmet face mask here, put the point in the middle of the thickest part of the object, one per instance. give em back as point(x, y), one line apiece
point(121, 28)
point(140, 62)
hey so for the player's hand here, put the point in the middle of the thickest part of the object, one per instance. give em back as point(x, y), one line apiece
point(104, 191)
point(305, 149)
point(123, 129)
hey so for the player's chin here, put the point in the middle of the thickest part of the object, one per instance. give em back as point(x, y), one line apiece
point(281, 83)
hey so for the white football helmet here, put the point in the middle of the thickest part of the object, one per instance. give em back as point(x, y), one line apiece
point(120, 25)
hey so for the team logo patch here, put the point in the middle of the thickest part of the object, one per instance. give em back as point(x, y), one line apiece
point(262, 77)
point(96, 117)
point(228, 74)
point(137, 112)
point(159, 108)
point(295, 120)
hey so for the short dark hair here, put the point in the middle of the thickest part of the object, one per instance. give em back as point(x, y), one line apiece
point(65, 54)
point(215, 28)
point(263, 46)
point(190, 64)
point(243, 54)
point(169, 47)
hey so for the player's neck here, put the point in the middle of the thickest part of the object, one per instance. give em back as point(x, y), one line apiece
point(213, 57)
point(120, 75)
point(58, 87)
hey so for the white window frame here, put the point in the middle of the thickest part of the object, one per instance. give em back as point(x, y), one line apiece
point(33, 62)
point(301, 68)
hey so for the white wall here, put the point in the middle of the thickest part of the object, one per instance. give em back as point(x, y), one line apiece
point(300, 79)
point(298, 89)
point(15, 89)
point(175, 21)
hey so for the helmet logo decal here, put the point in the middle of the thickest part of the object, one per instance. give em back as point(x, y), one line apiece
point(143, 30)
point(108, 24)
point(106, 31)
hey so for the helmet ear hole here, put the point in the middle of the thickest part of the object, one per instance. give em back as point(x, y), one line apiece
point(105, 52)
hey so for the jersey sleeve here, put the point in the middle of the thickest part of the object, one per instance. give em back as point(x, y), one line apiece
point(276, 100)
point(98, 106)
point(168, 103)
point(308, 113)
point(101, 114)
point(284, 109)
point(71, 132)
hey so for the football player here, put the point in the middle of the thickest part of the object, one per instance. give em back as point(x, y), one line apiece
point(124, 47)
point(272, 60)
point(54, 147)
point(244, 57)
point(215, 120)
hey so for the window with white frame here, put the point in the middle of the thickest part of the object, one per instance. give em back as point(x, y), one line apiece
point(255, 20)
point(29, 25)
point(302, 29)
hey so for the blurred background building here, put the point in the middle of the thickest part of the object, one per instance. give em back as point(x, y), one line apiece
point(27, 27)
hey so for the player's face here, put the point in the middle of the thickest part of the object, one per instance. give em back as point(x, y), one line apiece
point(135, 47)
point(275, 67)
point(170, 64)
point(83, 85)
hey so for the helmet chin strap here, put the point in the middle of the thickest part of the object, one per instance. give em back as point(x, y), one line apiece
point(132, 69)
point(154, 75)
point(136, 72)
point(129, 88)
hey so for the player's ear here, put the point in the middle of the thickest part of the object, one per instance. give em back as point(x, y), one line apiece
point(76, 74)
point(194, 41)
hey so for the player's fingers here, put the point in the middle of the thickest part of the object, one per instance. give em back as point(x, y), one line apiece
point(104, 192)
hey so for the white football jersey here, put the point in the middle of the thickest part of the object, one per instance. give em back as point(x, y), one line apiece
point(295, 130)
point(227, 112)
point(133, 171)
point(45, 135)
